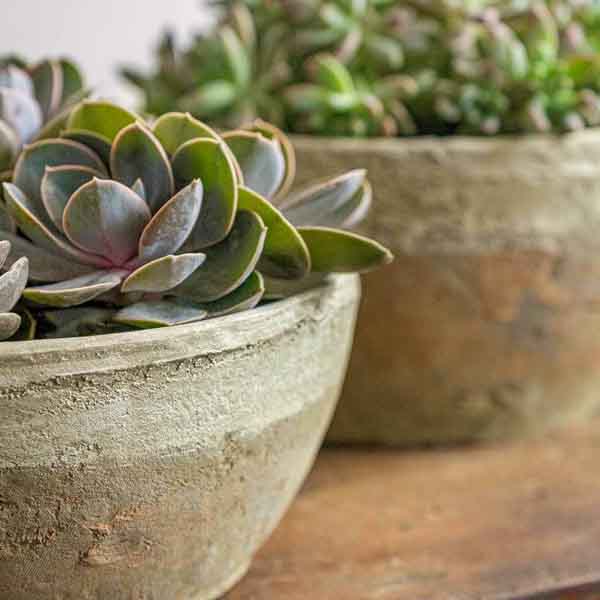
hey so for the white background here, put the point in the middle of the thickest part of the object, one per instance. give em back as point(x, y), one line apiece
point(98, 34)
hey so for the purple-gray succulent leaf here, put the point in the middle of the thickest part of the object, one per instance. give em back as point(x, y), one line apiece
point(14, 78)
point(100, 144)
point(285, 254)
point(106, 218)
point(229, 263)
point(12, 284)
point(47, 78)
point(163, 274)
point(75, 292)
point(4, 251)
point(34, 159)
point(209, 161)
point(100, 117)
point(44, 235)
point(148, 315)
point(44, 266)
point(171, 226)
point(59, 184)
point(175, 129)
point(9, 325)
point(137, 154)
point(336, 251)
point(75, 322)
point(21, 112)
point(261, 161)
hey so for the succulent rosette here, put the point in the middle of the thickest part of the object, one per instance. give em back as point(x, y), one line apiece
point(168, 223)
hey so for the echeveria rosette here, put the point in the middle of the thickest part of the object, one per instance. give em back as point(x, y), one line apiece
point(34, 103)
point(12, 284)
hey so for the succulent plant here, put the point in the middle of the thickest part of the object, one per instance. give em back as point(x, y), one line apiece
point(12, 284)
point(34, 103)
point(394, 67)
point(149, 225)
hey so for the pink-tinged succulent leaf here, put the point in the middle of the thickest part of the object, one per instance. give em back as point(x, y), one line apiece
point(98, 143)
point(33, 161)
point(47, 80)
point(229, 263)
point(278, 289)
point(245, 297)
point(77, 291)
point(285, 254)
point(13, 78)
point(9, 325)
point(335, 251)
point(175, 129)
point(21, 209)
point(4, 251)
point(105, 217)
point(172, 224)
point(163, 274)
point(148, 315)
point(261, 160)
point(137, 154)
point(209, 161)
point(9, 145)
point(21, 112)
point(43, 265)
point(59, 184)
point(100, 117)
point(12, 284)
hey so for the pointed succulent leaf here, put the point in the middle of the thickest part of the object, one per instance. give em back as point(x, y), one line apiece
point(137, 154)
point(210, 98)
point(9, 325)
point(148, 315)
point(47, 80)
point(12, 284)
point(9, 145)
point(59, 184)
point(99, 117)
point(72, 80)
point(106, 218)
point(335, 251)
point(261, 160)
point(172, 224)
point(44, 266)
point(163, 274)
point(279, 289)
point(75, 292)
point(21, 112)
point(237, 58)
point(31, 165)
point(175, 129)
point(229, 263)
point(245, 297)
point(98, 143)
point(285, 254)
point(209, 161)
point(21, 209)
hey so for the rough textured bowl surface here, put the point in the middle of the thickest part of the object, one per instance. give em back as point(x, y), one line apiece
point(487, 325)
point(152, 465)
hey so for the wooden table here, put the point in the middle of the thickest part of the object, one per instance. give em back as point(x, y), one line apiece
point(504, 522)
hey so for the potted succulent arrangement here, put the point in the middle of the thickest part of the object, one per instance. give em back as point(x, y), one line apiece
point(476, 121)
point(164, 385)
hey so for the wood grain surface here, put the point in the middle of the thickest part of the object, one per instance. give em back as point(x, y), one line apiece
point(502, 522)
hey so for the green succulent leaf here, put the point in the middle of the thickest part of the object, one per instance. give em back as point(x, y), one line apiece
point(9, 145)
point(98, 143)
point(12, 284)
point(76, 322)
point(238, 62)
point(9, 325)
point(148, 315)
point(27, 328)
point(75, 292)
point(285, 254)
point(102, 118)
point(137, 154)
point(279, 289)
point(47, 80)
point(245, 297)
point(175, 129)
point(72, 80)
point(210, 162)
point(229, 263)
point(334, 251)
point(21, 112)
point(210, 98)
point(163, 274)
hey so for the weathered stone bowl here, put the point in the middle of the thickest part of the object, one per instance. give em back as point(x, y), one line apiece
point(487, 325)
point(153, 465)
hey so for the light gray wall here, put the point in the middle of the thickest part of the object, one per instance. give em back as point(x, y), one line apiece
point(99, 34)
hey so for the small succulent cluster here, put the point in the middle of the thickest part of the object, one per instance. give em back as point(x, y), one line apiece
point(126, 223)
point(390, 67)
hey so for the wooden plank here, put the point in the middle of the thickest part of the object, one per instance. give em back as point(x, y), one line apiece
point(495, 523)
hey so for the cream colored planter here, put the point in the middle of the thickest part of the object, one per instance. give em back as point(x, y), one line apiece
point(488, 323)
point(154, 464)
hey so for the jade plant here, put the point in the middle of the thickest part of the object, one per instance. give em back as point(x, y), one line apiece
point(390, 67)
point(127, 223)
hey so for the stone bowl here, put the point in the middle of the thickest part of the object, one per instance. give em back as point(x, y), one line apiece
point(487, 325)
point(153, 465)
